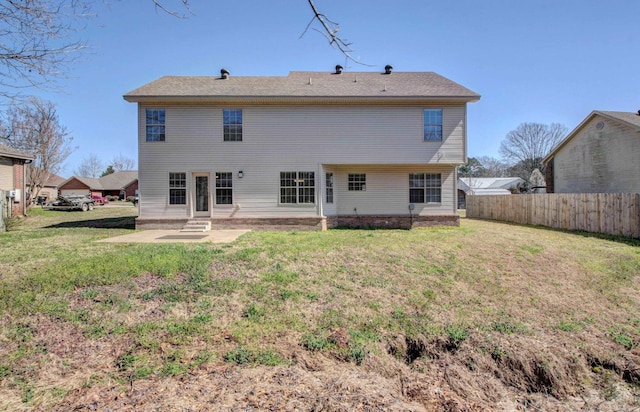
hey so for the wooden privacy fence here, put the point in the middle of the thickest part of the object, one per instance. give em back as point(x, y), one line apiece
point(611, 213)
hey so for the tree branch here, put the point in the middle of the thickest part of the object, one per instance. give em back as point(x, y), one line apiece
point(160, 6)
point(330, 30)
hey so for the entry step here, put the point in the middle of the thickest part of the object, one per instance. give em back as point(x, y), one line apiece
point(197, 226)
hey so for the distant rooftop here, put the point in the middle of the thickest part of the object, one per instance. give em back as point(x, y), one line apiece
point(16, 154)
point(483, 186)
point(305, 86)
point(113, 181)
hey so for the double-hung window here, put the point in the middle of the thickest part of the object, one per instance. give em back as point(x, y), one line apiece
point(155, 123)
point(297, 187)
point(432, 125)
point(224, 188)
point(425, 188)
point(357, 182)
point(232, 125)
point(177, 188)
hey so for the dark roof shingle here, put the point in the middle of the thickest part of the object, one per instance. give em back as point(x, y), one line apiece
point(306, 85)
point(16, 154)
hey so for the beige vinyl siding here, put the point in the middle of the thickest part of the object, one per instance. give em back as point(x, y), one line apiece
point(289, 138)
point(599, 160)
point(387, 190)
point(6, 173)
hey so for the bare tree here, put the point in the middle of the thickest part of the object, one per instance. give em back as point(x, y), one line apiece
point(34, 128)
point(121, 162)
point(528, 144)
point(36, 41)
point(91, 166)
point(493, 167)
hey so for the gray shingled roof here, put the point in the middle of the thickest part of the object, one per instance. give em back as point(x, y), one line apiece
point(16, 154)
point(305, 85)
point(53, 181)
point(113, 181)
point(118, 180)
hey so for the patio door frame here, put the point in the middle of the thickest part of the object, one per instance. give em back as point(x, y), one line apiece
point(195, 193)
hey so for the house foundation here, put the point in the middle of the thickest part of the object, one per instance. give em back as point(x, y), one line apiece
point(310, 223)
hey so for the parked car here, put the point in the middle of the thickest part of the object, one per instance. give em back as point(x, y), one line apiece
point(100, 200)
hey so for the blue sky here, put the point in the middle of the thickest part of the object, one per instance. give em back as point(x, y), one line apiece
point(547, 61)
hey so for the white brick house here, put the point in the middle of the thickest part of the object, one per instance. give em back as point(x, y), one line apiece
point(310, 149)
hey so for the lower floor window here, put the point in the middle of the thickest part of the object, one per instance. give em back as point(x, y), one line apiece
point(357, 182)
point(425, 188)
point(224, 188)
point(177, 188)
point(329, 187)
point(297, 187)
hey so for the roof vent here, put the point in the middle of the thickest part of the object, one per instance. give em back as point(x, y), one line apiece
point(224, 74)
point(338, 69)
point(388, 68)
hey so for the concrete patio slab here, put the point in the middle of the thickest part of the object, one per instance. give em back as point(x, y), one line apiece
point(175, 236)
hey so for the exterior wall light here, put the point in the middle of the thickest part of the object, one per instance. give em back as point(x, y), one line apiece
point(240, 174)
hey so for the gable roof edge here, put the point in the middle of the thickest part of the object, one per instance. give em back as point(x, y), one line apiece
point(575, 131)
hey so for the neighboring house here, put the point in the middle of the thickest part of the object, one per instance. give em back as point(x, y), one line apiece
point(13, 180)
point(123, 184)
point(49, 190)
point(599, 156)
point(485, 186)
point(312, 149)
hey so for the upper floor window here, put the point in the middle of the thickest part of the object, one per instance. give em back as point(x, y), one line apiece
point(224, 188)
point(432, 125)
point(297, 187)
point(232, 125)
point(357, 182)
point(425, 187)
point(178, 188)
point(155, 121)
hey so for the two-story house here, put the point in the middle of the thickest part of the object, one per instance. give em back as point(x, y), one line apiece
point(309, 150)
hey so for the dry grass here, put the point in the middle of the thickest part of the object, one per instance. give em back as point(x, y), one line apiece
point(487, 316)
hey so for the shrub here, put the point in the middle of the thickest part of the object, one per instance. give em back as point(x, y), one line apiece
point(316, 342)
point(357, 354)
point(239, 356)
point(12, 223)
point(456, 334)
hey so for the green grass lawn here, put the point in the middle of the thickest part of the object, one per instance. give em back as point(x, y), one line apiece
point(549, 316)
